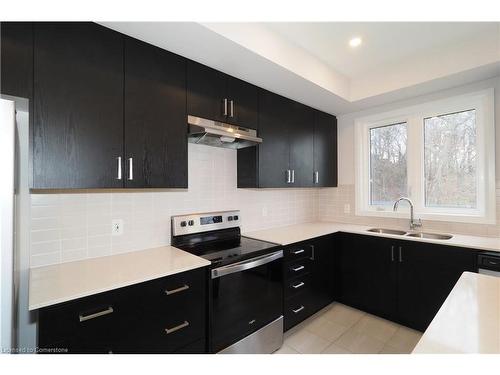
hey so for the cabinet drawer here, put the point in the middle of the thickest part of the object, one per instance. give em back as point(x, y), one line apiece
point(179, 291)
point(197, 347)
point(298, 268)
point(169, 331)
point(298, 252)
point(87, 325)
point(297, 309)
point(297, 285)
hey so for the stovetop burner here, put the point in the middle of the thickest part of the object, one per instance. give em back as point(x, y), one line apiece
point(220, 246)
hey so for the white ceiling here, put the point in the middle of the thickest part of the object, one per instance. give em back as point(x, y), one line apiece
point(383, 42)
point(313, 64)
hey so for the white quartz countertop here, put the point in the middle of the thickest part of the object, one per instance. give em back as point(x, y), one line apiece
point(469, 319)
point(301, 232)
point(58, 283)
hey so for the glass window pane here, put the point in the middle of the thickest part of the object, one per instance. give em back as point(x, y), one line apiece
point(388, 179)
point(450, 160)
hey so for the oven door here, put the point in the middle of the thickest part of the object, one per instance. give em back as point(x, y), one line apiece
point(246, 296)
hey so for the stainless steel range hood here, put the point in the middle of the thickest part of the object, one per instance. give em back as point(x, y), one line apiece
point(220, 134)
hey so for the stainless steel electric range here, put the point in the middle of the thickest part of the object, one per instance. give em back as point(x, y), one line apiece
point(245, 282)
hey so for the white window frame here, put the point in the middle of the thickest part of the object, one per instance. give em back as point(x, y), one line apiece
point(483, 102)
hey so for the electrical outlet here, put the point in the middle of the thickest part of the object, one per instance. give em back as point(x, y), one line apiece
point(347, 208)
point(264, 211)
point(117, 227)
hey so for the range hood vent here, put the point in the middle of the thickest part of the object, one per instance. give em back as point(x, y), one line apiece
point(220, 134)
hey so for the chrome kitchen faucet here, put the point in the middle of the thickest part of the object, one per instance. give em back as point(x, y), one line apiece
point(413, 224)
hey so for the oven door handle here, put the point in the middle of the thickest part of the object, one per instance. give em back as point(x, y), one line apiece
point(246, 264)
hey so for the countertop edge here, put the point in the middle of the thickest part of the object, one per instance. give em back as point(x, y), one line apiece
point(363, 231)
point(198, 262)
point(114, 287)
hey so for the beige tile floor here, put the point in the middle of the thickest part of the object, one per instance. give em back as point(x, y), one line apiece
point(339, 329)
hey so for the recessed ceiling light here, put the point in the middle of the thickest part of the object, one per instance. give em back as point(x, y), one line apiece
point(355, 42)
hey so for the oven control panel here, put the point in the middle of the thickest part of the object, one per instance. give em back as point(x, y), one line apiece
point(202, 222)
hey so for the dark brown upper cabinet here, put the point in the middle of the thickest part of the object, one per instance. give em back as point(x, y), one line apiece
point(216, 96)
point(155, 117)
point(296, 138)
point(325, 150)
point(78, 106)
point(17, 59)
point(301, 137)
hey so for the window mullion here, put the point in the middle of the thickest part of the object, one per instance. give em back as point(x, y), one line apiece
point(415, 160)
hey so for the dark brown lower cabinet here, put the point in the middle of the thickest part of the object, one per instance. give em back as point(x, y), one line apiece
point(166, 315)
point(426, 275)
point(308, 278)
point(404, 281)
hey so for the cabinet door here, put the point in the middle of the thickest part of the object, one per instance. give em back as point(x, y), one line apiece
point(17, 59)
point(325, 150)
point(78, 110)
point(274, 151)
point(206, 91)
point(427, 274)
point(322, 272)
point(243, 103)
point(155, 117)
point(366, 274)
point(300, 126)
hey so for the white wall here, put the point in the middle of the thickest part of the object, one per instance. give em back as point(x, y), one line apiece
point(72, 226)
point(346, 124)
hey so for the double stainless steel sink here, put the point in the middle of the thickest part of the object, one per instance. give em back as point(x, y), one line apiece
point(432, 236)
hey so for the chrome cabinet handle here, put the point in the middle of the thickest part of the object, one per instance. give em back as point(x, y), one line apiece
point(224, 113)
point(83, 318)
point(119, 159)
point(297, 269)
point(231, 108)
point(316, 177)
point(176, 328)
point(299, 285)
point(392, 253)
point(492, 263)
point(288, 176)
point(177, 290)
point(312, 252)
point(130, 169)
point(293, 176)
point(400, 255)
point(296, 311)
point(298, 251)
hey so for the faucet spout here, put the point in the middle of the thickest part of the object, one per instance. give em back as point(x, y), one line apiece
point(413, 224)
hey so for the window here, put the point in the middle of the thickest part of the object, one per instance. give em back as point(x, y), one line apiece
point(440, 154)
point(387, 163)
point(450, 163)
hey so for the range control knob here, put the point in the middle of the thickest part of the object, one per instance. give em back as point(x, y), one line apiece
point(235, 217)
point(191, 223)
point(183, 223)
point(229, 218)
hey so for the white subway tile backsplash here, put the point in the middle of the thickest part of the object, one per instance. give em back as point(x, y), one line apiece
point(331, 203)
point(74, 243)
point(71, 226)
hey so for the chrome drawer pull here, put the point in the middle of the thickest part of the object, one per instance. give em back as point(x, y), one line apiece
point(298, 310)
point(176, 328)
point(298, 251)
point(299, 268)
point(83, 318)
point(299, 285)
point(173, 291)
